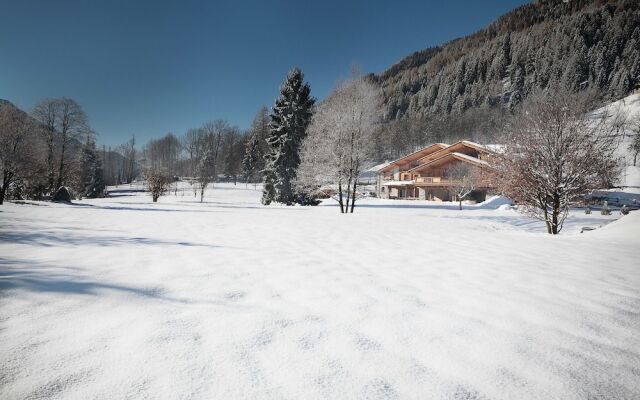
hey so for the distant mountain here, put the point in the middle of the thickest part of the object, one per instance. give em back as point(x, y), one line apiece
point(547, 44)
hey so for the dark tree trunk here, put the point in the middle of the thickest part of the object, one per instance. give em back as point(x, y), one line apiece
point(3, 191)
point(50, 167)
point(346, 209)
point(61, 169)
point(6, 179)
point(555, 212)
point(353, 195)
point(546, 215)
point(340, 197)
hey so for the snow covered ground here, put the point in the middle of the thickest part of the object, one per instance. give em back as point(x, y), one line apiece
point(627, 112)
point(121, 298)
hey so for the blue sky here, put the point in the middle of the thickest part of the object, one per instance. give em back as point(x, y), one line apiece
point(148, 68)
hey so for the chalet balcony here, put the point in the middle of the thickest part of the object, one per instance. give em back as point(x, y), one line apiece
point(433, 181)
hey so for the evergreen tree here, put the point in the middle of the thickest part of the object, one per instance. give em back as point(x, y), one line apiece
point(91, 183)
point(253, 162)
point(289, 120)
point(253, 159)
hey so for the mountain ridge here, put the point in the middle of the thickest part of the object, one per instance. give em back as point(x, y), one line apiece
point(527, 48)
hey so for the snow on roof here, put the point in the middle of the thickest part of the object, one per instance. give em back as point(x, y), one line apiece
point(496, 148)
point(398, 183)
point(378, 167)
point(470, 143)
point(467, 157)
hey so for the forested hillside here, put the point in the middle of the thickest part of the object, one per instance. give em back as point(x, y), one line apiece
point(464, 87)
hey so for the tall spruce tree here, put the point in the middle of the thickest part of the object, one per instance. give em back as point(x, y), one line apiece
point(253, 162)
point(290, 118)
point(91, 172)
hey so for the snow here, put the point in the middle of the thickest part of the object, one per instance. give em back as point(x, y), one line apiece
point(122, 298)
point(629, 106)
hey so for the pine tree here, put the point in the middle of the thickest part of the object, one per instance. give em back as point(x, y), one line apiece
point(253, 159)
point(91, 173)
point(289, 120)
point(253, 162)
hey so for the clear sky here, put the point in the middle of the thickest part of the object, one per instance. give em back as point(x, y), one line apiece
point(152, 67)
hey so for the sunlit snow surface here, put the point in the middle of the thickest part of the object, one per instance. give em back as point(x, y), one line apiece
point(121, 298)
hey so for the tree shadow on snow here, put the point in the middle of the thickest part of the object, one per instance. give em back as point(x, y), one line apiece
point(29, 276)
point(154, 209)
point(54, 238)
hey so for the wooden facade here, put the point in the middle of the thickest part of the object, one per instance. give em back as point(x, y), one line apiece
point(422, 175)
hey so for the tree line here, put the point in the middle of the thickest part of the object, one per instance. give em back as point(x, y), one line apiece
point(555, 150)
point(50, 148)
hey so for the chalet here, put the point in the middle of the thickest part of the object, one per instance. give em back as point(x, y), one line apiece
point(423, 174)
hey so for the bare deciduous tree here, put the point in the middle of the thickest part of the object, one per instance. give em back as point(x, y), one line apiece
point(129, 154)
point(340, 141)
point(63, 123)
point(190, 143)
point(464, 180)
point(17, 146)
point(46, 112)
point(214, 132)
point(555, 152)
point(634, 146)
point(206, 167)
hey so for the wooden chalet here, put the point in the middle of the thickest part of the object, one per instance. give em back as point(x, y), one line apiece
point(422, 175)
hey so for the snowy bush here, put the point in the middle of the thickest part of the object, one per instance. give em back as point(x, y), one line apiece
point(157, 182)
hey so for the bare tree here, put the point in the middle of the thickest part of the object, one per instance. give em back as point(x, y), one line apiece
point(620, 120)
point(554, 153)
point(233, 145)
point(214, 132)
point(463, 178)
point(64, 123)
point(17, 146)
point(190, 142)
point(129, 154)
point(340, 140)
point(164, 153)
point(634, 147)
point(205, 170)
point(46, 111)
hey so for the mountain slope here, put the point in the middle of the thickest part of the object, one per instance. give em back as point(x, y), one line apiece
point(544, 45)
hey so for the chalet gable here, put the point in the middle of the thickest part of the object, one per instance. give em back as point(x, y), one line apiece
point(413, 157)
point(448, 158)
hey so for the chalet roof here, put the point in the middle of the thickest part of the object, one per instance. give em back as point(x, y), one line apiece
point(446, 157)
point(451, 148)
point(433, 148)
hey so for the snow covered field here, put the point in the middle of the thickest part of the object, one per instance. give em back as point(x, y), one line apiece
point(121, 298)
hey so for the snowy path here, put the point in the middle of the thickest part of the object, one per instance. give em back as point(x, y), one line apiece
point(119, 298)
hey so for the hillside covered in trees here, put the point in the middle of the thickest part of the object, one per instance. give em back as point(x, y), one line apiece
point(464, 87)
